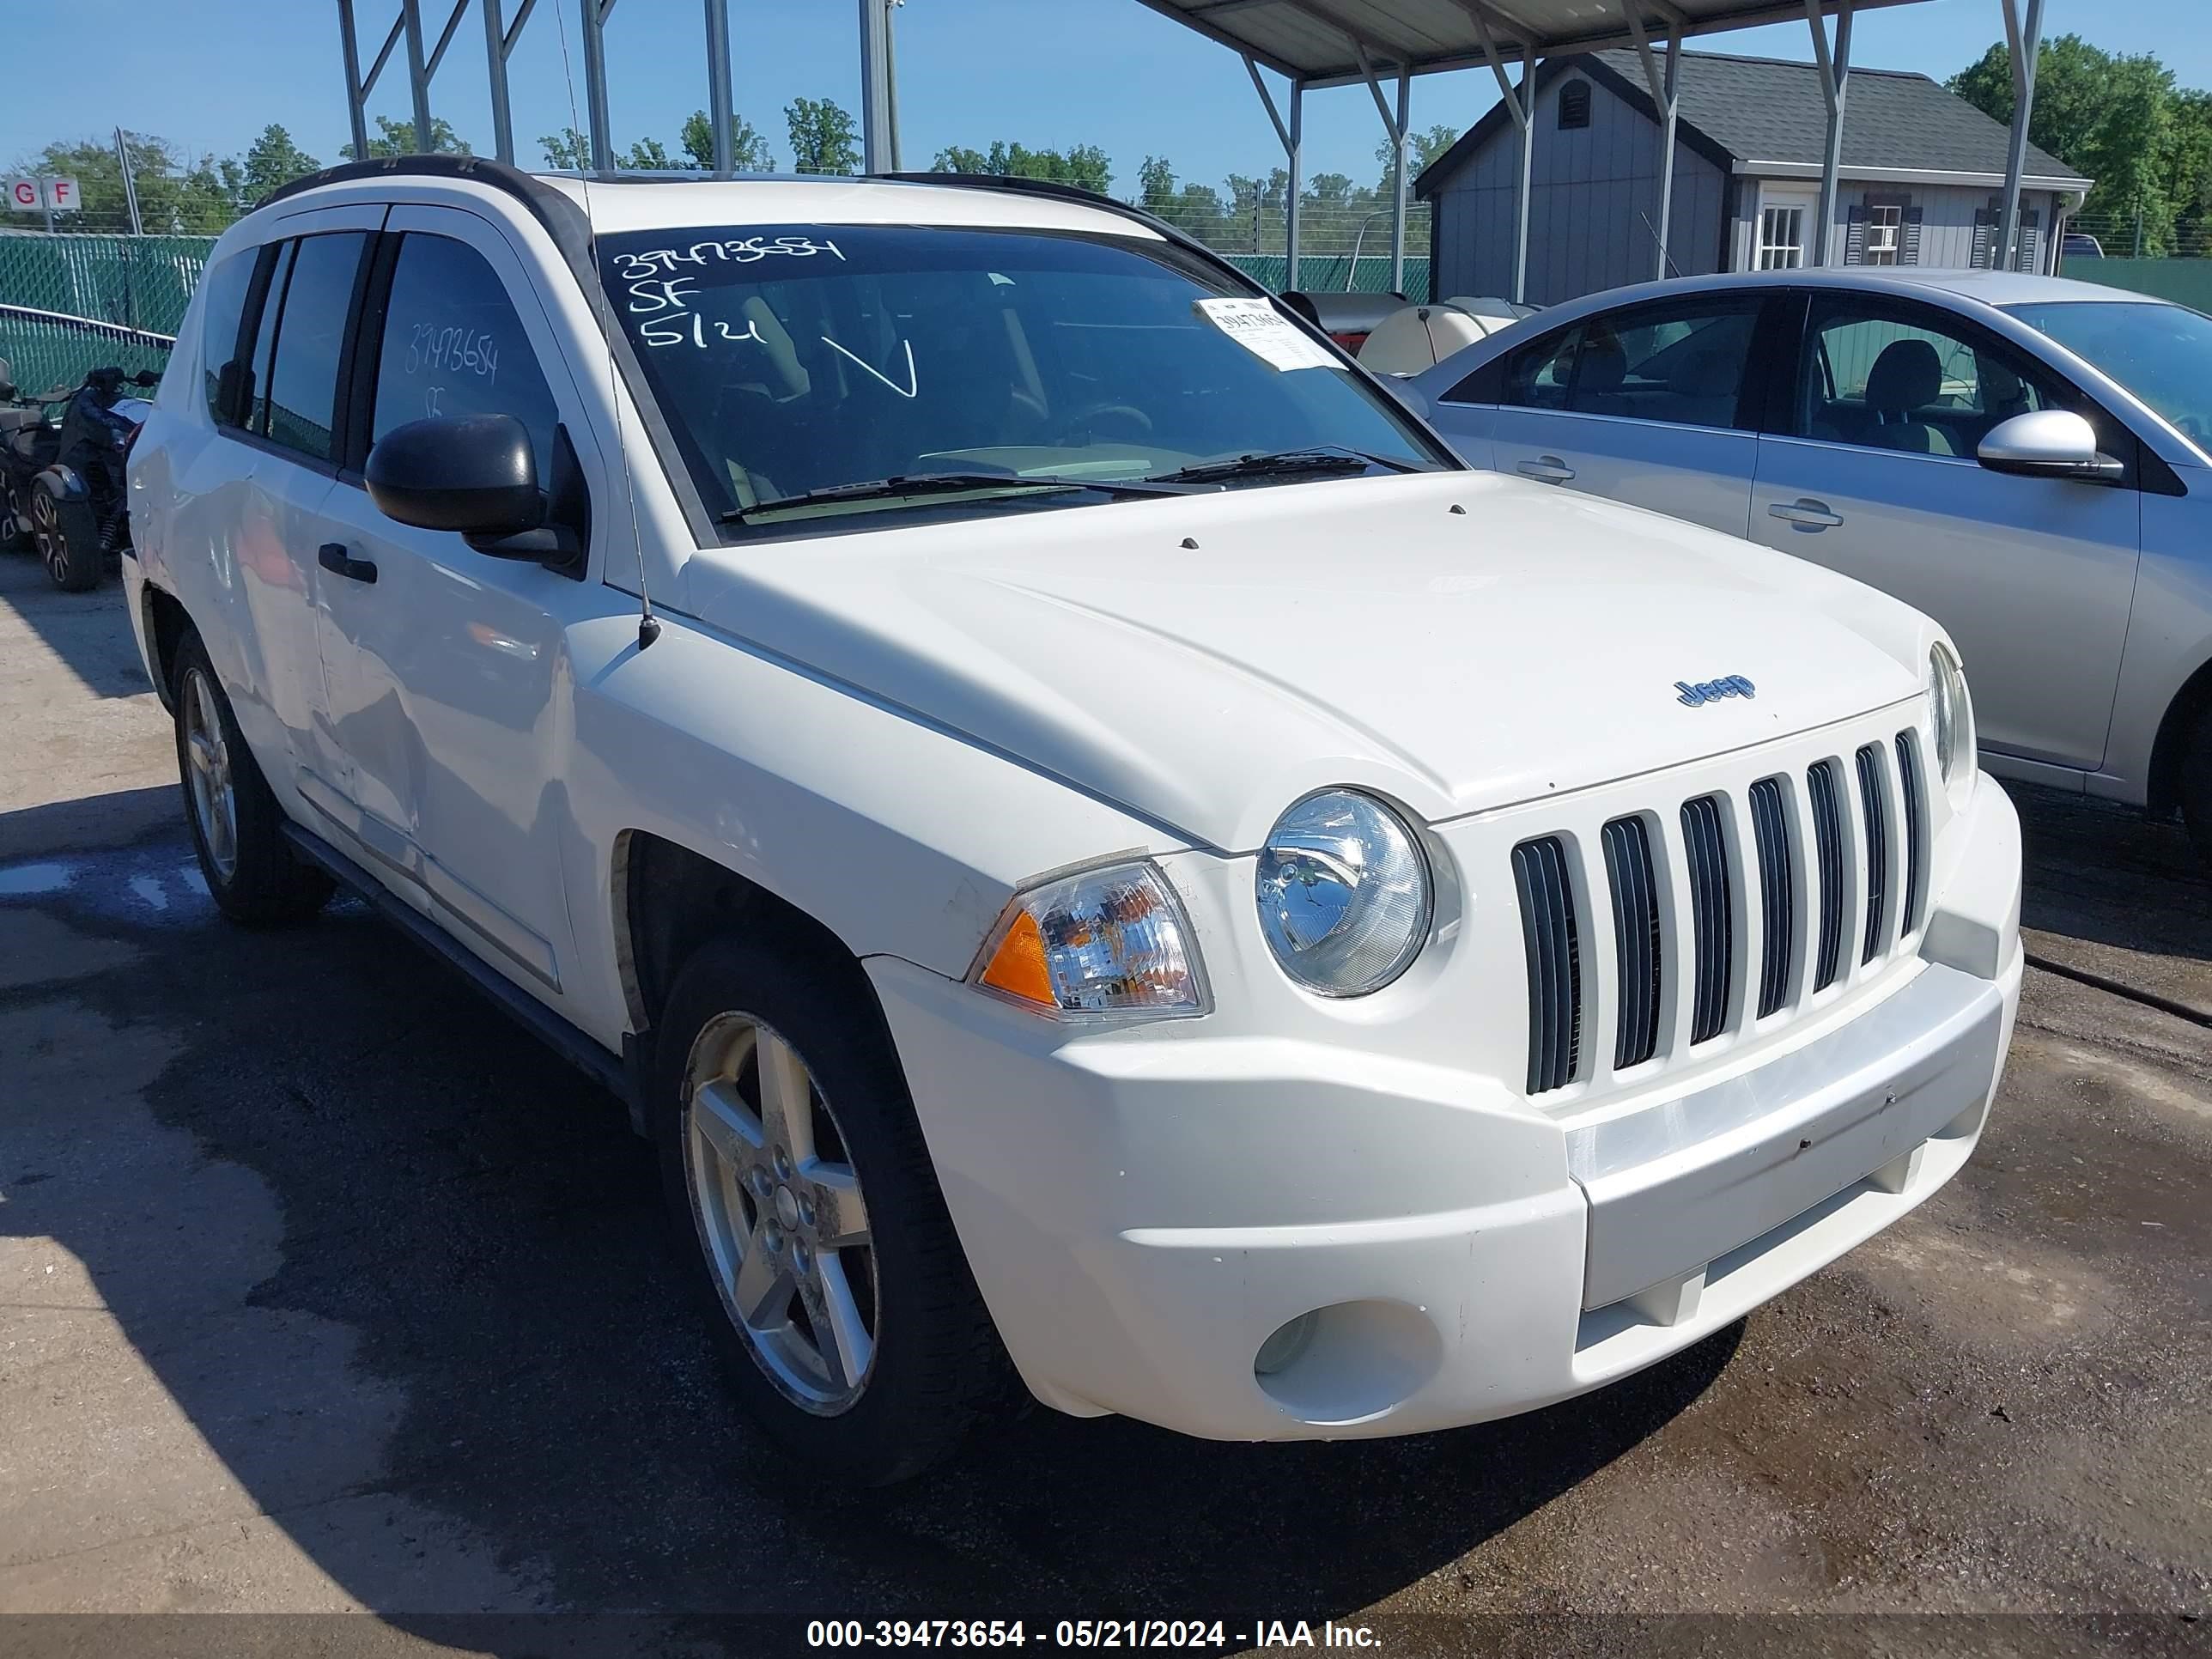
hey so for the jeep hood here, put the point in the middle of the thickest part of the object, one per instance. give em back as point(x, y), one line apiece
point(1202, 661)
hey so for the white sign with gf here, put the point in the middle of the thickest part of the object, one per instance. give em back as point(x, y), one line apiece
point(37, 195)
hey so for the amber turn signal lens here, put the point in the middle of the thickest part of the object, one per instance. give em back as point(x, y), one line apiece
point(1018, 966)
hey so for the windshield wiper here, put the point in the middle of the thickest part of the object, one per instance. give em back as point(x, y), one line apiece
point(939, 484)
point(1320, 458)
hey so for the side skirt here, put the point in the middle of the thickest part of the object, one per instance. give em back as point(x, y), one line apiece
point(573, 1044)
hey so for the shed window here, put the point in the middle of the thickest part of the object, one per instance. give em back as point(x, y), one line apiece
point(1574, 105)
point(1884, 228)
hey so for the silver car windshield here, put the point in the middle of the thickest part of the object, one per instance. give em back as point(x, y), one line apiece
point(811, 374)
point(2161, 353)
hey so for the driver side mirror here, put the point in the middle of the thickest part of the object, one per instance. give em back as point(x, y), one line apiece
point(145, 377)
point(2048, 443)
point(478, 475)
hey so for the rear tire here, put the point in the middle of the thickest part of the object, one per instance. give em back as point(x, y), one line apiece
point(250, 868)
point(761, 1182)
point(14, 536)
point(66, 537)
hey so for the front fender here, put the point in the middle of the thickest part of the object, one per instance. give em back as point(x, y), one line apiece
point(67, 484)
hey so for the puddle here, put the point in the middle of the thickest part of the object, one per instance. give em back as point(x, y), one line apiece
point(31, 880)
point(157, 883)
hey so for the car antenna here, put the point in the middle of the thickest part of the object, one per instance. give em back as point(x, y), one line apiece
point(648, 625)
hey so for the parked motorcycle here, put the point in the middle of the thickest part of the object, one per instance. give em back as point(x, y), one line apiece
point(61, 477)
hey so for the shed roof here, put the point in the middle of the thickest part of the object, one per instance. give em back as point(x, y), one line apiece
point(1754, 110)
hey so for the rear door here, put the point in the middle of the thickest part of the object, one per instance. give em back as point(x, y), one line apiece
point(1653, 404)
point(447, 667)
point(1873, 473)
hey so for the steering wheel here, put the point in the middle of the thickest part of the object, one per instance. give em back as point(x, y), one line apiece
point(1080, 419)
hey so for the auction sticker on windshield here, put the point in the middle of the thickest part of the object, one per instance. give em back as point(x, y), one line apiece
point(1266, 332)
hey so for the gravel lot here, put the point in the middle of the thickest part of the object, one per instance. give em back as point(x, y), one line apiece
point(323, 1290)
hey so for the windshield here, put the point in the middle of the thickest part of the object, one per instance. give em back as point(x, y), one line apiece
point(2162, 353)
point(798, 360)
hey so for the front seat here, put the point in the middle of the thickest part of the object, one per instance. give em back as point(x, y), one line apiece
point(1905, 379)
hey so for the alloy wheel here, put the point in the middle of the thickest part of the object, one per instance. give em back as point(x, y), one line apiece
point(207, 773)
point(780, 1213)
point(47, 536)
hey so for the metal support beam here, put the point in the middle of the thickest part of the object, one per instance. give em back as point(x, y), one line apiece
point(1519, 106)
point(445, 39)
point(1664, 99)
point(595, 83)
point(503, 117)
point(418, 74)
point(719, 96)
point(1400, 183)
point(2025, 36)
point(1835, 77)
point(1288, 133)
point(355, 114)
point(876, 143)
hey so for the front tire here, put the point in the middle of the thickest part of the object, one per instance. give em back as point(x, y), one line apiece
point(65, 537)
point(807, 1211)
point(250, 871)
point(2196, 790)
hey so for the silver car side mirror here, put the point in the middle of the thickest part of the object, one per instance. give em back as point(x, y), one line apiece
point(2048, 443)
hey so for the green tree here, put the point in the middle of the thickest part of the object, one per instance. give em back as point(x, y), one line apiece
point(567, 150)
point(2115, 118)
point(397, 138)
point(271, 161)
point(649, 155)
point(823, 137)
point(1085, 166)
point(1156, 183)
point(177, 195)
point(749, 151)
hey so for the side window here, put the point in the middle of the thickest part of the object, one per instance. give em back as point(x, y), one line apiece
point(1682, 364)
point(264, 339)
point(1537, 375)
point(453, 346)
point(227, 286)
point(300, 408)
point(1908, 381)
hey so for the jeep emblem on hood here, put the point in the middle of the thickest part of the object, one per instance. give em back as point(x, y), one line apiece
point(1713, 690)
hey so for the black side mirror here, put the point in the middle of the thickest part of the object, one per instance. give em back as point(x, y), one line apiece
point(146, 376)
point(7, 390)
point(476, 474)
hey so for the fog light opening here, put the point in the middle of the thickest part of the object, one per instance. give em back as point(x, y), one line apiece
point(1280, 1352)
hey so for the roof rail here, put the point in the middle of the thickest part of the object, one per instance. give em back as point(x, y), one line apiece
point(480, 168)
point(1055, 190)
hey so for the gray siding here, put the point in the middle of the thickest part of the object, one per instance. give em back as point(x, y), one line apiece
point(1593, 210)
point(1947, 220)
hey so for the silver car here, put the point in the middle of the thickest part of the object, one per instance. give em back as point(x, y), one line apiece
point(2027, 460)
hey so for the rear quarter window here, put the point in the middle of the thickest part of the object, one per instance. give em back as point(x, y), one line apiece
point(225, 289)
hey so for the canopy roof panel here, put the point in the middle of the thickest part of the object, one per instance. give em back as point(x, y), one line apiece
point(1320, 42)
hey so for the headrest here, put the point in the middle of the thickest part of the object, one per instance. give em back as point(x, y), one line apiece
point(1601, 364)
point(1907, 375)
point(1712, 373)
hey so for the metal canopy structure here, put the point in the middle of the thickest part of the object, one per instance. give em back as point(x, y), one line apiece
point(1317, 44)
point(1313, 44)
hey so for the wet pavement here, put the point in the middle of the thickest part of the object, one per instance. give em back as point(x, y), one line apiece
point(322, 1288)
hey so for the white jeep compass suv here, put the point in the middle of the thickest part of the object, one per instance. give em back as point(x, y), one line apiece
point(1095, 849)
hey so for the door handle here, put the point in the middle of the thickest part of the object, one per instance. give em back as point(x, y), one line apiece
point(1805, 513)
point(333, 557)
point(1546, 469)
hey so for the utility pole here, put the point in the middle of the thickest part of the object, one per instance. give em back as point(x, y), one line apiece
point(130, 188)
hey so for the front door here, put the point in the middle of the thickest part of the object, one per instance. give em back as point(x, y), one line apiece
point(1874, 475)
point(447, 667)
point(1640, 405)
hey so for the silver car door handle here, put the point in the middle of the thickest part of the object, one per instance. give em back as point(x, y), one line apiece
point(1806, 513)
point(1548, 468)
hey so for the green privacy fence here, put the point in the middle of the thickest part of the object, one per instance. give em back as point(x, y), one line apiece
point(1327, 273)
point(70, 303)
point(2186, 281)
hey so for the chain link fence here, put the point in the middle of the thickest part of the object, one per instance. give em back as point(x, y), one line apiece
point(2173, 260)
point(71, 302)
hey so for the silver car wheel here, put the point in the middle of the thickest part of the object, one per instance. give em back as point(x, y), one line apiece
point(779, 1213)
point(46, 534)
point(207, 773)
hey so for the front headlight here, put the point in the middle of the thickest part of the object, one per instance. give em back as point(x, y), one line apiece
point(1951, 719)
point(1096, 944)
point(1344, 894)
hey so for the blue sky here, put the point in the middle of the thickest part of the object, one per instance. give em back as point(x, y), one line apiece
point(210, 74)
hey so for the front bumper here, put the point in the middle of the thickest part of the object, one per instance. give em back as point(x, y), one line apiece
point(1141, 1216)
